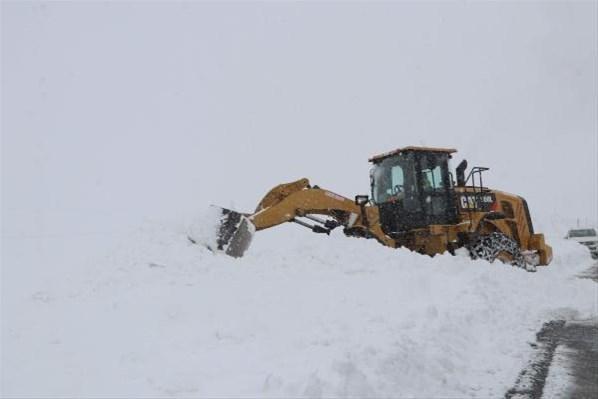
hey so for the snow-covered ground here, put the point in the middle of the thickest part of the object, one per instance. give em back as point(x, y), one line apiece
point(115, 112)
point(299, 315)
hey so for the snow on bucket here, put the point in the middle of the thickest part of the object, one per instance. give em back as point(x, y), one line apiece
point(223, 230)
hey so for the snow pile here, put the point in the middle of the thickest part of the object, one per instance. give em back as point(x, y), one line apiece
point(313, 316)
point(203, 230)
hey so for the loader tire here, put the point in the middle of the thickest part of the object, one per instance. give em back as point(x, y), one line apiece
point(498, 246)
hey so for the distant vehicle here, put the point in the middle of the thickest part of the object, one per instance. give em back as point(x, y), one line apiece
point(587, 237)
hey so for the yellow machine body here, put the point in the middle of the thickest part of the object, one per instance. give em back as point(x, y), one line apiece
point(470, 215)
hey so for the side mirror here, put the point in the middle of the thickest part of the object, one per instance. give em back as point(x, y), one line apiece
point(361, 200)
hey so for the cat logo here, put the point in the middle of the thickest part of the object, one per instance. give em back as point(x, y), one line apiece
point(480, 202)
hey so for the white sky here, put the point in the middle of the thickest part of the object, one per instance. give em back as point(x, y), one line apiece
point(112, 113)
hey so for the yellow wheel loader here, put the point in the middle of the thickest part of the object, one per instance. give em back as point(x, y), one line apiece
point(416, 203)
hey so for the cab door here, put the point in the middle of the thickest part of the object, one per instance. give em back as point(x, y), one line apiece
point(399, 198)
point(437, 196)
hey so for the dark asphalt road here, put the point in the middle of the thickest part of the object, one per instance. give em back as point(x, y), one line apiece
point(580, 339)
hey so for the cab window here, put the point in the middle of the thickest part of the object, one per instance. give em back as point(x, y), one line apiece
point(431, 173)
point(432, 179)
point(393, 178)
point(397, 178)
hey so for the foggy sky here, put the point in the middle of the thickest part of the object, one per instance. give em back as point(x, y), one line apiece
point(114, 113)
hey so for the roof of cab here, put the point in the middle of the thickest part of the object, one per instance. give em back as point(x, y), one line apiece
point(377, 158)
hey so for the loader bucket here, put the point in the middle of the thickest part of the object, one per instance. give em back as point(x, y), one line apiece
point(235, 233)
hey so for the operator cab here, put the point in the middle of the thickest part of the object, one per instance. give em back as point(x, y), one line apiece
point(412, 188)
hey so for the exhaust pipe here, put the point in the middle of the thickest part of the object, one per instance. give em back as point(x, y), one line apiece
point(461, 173)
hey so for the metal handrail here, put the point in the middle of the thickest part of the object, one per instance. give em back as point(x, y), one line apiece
point(472, 173)
point(476, 170)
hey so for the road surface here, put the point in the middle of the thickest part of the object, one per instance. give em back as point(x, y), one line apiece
point(565, 362)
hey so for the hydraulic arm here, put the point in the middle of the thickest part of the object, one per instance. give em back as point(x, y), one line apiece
point(292, 201)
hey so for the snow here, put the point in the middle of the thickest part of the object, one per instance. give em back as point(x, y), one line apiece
point(114, 114)
point(203, 229)
point(299, 315)
point(559, 381)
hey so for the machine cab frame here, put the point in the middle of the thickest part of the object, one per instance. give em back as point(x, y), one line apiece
point(413, 188)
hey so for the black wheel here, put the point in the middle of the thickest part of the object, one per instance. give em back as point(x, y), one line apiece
point(498, 246)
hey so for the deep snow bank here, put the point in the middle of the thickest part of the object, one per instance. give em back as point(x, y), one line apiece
point(299, 315)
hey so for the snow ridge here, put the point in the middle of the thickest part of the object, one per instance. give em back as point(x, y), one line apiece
point(303, 317)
